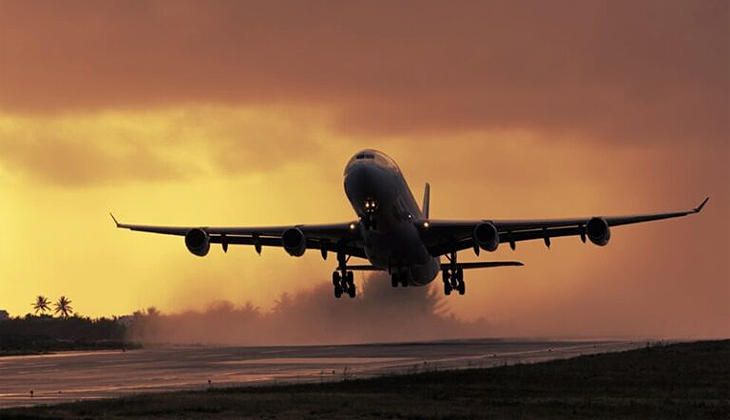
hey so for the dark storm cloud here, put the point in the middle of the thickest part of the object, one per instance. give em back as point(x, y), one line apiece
point(618, 70)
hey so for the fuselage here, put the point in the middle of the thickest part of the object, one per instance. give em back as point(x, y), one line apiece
point(380, 196)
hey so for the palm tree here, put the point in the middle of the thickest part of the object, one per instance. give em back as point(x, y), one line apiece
point(63, 306)
point(42, 304)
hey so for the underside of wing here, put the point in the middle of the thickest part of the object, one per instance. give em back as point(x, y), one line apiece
point(443, 236)
point(340, 238)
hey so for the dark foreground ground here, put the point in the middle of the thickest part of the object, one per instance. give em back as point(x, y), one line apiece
point(686, 380)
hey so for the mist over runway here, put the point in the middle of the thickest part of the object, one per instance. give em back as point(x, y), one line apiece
point(72, 376)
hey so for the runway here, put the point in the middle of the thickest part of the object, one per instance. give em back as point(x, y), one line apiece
point(71, 376)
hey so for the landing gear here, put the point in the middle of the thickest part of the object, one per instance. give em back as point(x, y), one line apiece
point(454, 280)
point(453, 277)
point(369, 222)
point(460, 286)
point(399, 278)
point(343, 280)
point(337, 282)
point(344, 284)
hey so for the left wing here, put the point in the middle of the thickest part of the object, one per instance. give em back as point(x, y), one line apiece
point(341, 238)
point(443, 236)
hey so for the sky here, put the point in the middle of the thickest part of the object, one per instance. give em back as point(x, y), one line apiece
point(245, 113)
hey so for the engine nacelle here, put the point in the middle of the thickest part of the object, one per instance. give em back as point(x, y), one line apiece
point(486, 236)
point(198, 242)
point(597, 231)
point(294, 242)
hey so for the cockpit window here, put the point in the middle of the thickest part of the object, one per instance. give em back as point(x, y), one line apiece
point(379, 158)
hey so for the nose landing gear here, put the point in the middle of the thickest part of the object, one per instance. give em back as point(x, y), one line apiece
point(368, 219)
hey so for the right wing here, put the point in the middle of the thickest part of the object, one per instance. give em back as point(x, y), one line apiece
point(341, 238)
point(445, 236)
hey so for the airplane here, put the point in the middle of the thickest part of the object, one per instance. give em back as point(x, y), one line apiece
point(395, 235)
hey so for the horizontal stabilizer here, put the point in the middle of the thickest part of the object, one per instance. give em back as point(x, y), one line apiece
point(489, 264)
point(363, 268)
point(465, 266)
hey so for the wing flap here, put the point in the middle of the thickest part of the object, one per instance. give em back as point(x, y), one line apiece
point(338, 237)
point(348, 249)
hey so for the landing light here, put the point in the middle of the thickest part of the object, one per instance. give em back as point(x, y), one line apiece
point(352, 226)
point(425, 224)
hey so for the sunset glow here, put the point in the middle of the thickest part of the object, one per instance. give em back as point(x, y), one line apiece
point(225, 113)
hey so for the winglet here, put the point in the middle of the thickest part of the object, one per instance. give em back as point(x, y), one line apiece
point(699, 208)
point(114, 218)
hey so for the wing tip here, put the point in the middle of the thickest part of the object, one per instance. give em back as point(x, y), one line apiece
point(699, 208)
point(116, 223)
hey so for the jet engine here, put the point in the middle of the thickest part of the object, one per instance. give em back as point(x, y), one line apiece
point(486, 236)
point(198, 242)
point(294, 242)
point(597, 231)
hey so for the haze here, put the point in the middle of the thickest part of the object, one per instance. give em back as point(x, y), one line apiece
point(230, 113)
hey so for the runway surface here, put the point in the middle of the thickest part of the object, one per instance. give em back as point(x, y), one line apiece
point(71, 376)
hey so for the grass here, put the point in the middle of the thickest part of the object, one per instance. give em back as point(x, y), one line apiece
point(685, 380)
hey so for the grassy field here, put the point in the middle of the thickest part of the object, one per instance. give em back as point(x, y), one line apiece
point(686, 380)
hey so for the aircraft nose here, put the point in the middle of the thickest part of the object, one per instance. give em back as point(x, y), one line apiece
point(360, 179)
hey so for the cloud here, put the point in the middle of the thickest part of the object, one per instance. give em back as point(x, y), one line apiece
point(115, 146)
point(618, 71)
point(50, 159)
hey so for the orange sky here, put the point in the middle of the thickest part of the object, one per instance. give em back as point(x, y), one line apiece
point(232, 113)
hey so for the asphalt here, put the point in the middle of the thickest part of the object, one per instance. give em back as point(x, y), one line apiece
point(72, 376)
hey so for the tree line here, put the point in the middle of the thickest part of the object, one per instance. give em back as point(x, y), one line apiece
point(41, 331)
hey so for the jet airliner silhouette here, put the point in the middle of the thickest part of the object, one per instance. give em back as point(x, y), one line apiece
point(397, 236)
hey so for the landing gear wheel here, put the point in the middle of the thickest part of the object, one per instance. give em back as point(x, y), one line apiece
point(404, 280)
point(460, 286)
point(394, 279)
point(446, 277)
point(337, 282)
point(349, 284)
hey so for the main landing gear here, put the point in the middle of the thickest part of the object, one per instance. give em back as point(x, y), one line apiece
point(397, 278)
point(454, 280)
point(342, 279)
point(453, 277)
point(344, 283)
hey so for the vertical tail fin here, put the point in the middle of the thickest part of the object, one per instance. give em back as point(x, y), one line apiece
point(426, 199)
